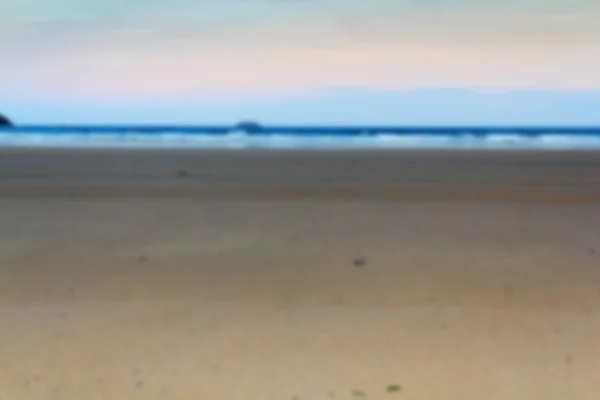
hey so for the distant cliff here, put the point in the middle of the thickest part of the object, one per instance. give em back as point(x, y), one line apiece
point(5, 121)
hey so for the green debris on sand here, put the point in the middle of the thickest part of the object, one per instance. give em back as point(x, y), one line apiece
point(393, 388)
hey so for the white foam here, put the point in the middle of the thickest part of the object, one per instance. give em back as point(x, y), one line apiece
point(241, 140)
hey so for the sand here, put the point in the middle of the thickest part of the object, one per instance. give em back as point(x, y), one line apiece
point(183, 275)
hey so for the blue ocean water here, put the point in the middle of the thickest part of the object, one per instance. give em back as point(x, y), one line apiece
point(301, 137)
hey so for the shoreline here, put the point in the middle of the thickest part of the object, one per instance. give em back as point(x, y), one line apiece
point(407, 175)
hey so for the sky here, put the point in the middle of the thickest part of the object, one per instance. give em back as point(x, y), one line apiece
point(426, 62)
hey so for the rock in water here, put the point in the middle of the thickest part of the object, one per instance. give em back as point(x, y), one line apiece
point(249, 127)
point(5, 121)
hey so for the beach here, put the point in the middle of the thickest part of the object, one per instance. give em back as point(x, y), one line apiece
point(409, 274)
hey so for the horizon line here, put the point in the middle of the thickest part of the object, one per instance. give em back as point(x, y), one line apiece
point(255, 127)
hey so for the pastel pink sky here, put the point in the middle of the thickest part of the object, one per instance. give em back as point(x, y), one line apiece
point(185, 48)
point(86, 51)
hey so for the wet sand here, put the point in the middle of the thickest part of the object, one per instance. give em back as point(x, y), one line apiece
point(182, 275)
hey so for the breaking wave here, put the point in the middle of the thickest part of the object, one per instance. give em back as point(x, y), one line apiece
point(313, 138)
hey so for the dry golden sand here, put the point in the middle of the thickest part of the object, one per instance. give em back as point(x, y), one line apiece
point(249, 275)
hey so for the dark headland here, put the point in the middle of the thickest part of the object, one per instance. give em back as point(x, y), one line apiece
point(4, 121)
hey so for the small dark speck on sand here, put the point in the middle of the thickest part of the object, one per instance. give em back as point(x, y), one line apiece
point(142, 258)
point(592, 251)
point(139, 384)
point(393, 388)
point(359, 262)
point(182, 173)
point(569, 359)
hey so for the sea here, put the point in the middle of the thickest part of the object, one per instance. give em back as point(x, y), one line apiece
point(300, 137)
